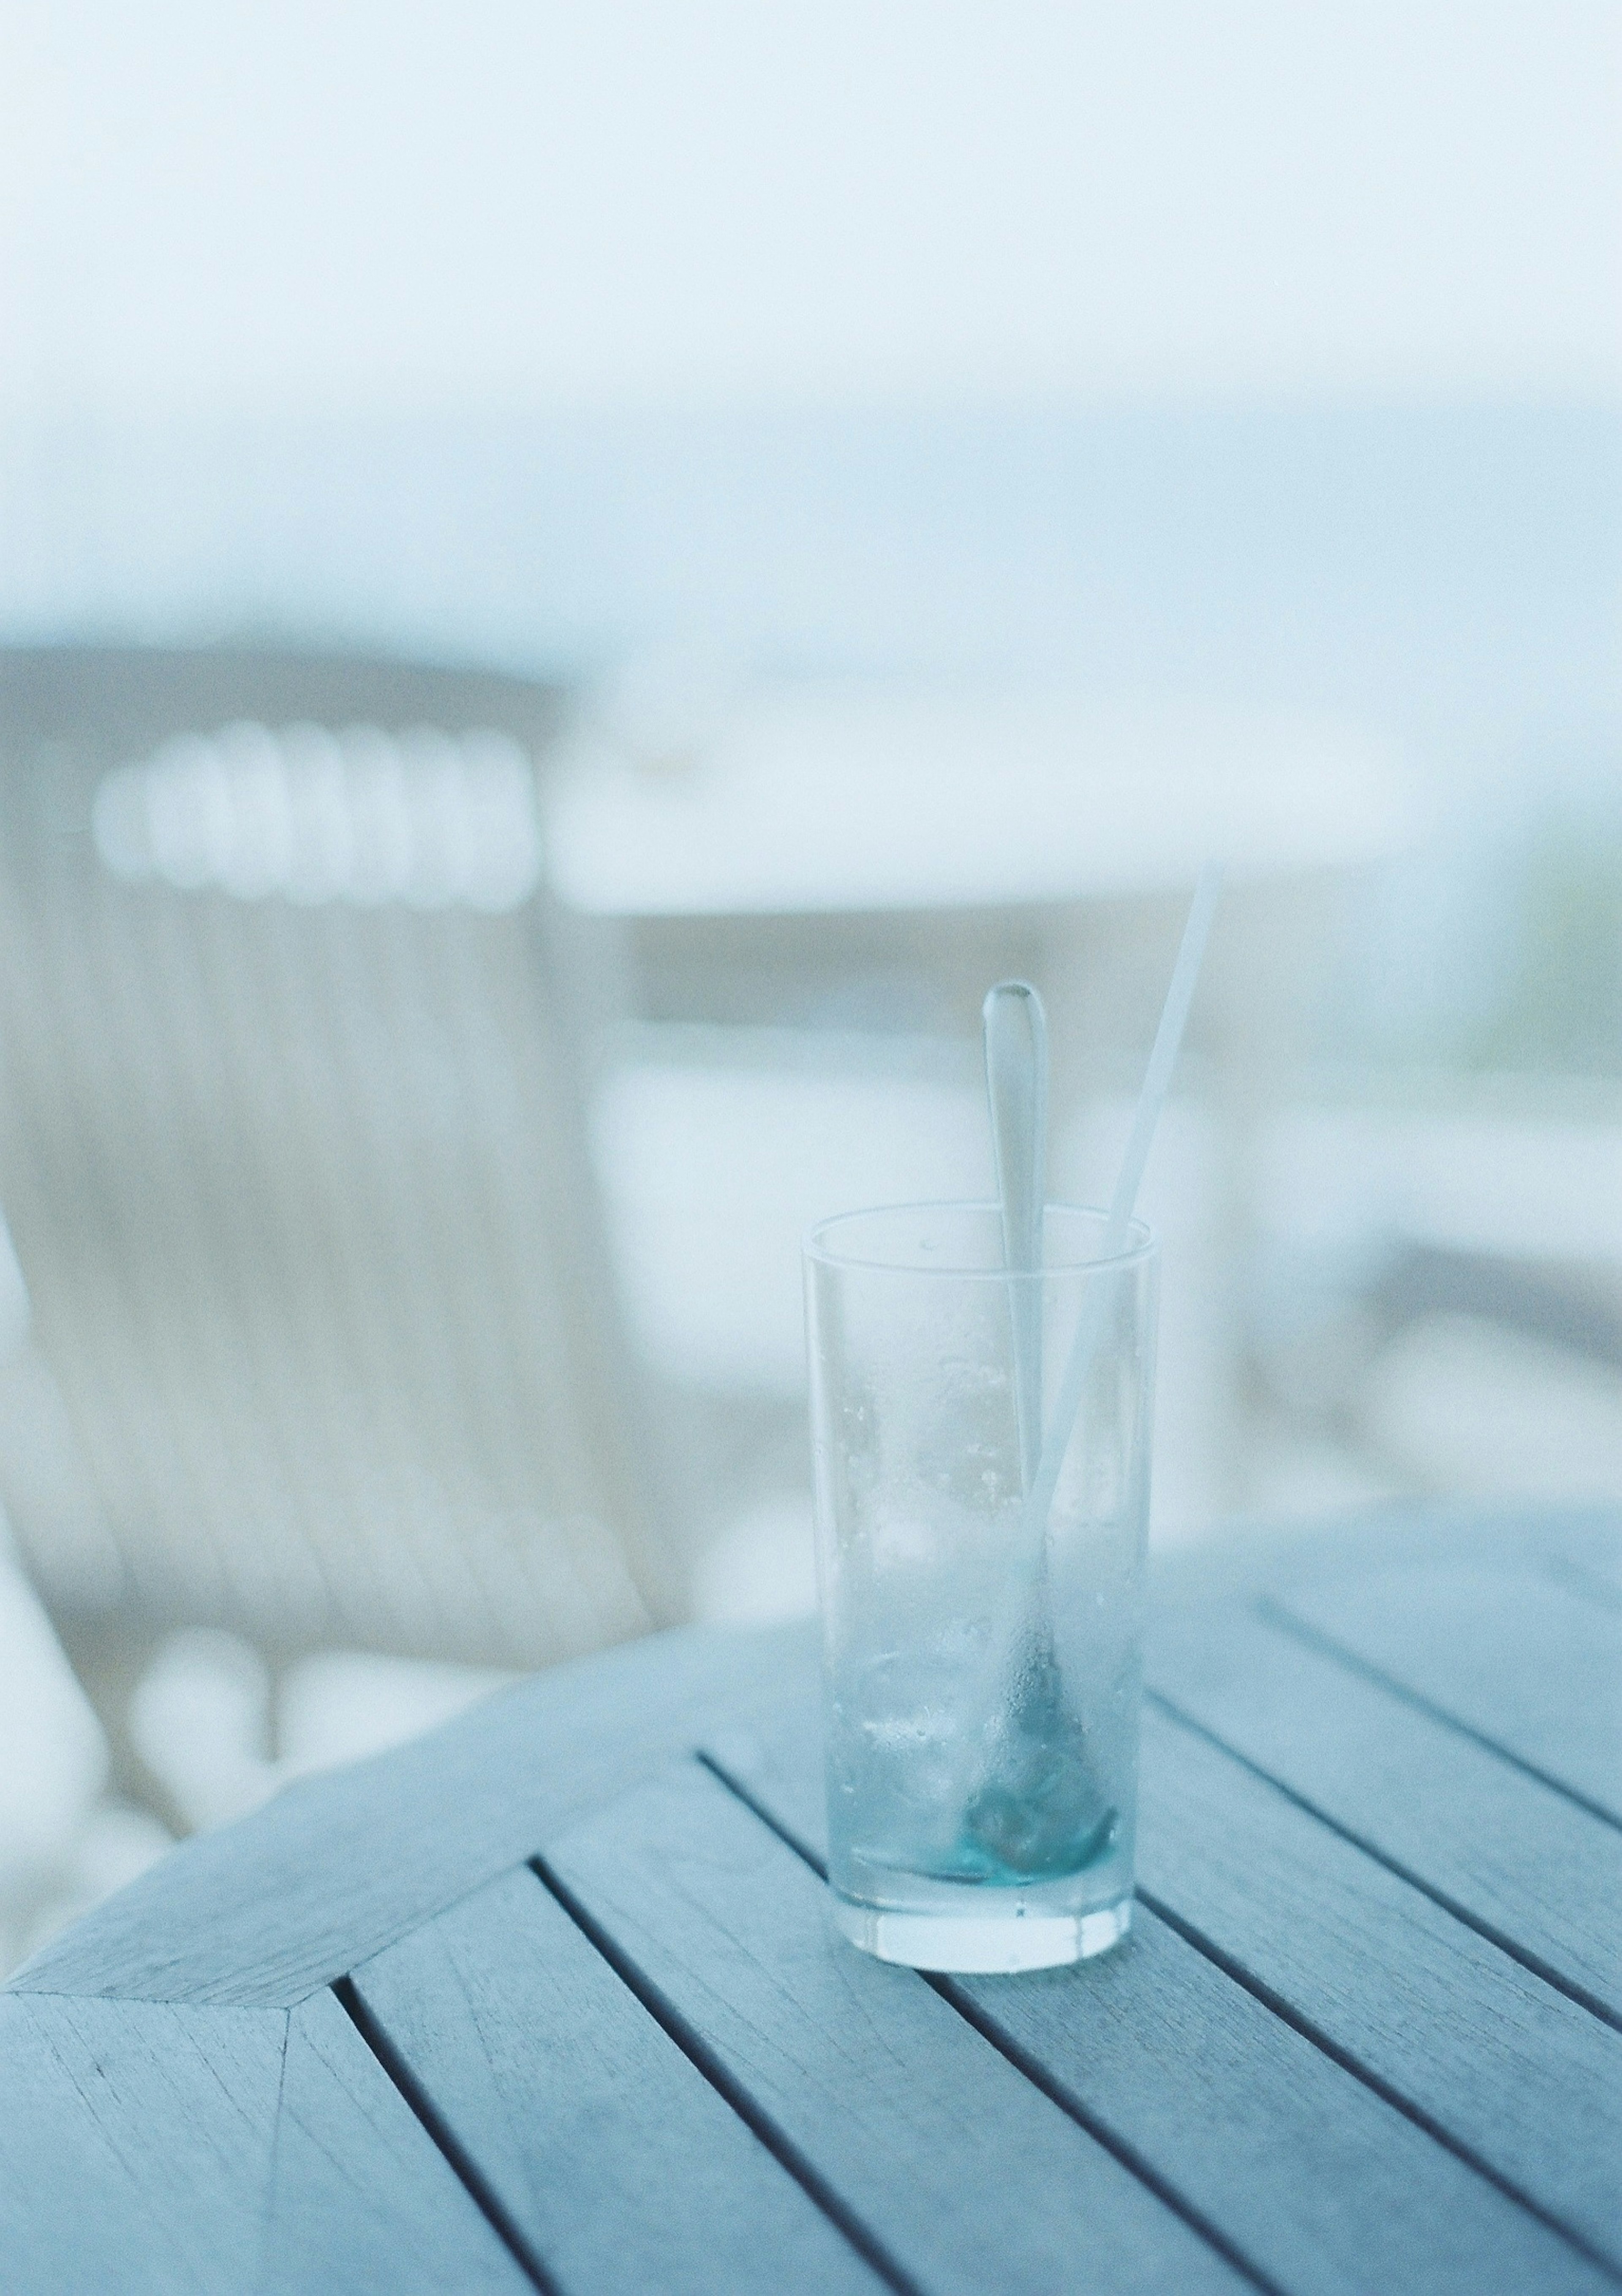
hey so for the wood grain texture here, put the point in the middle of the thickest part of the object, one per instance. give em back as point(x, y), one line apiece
point(167, 2149)
point(1314, 2178)
point(334, 1869)
point(136, 2145)
point(1317, 2182)
point(1498, 1847)
point(612, 2156)
point(360, 2199)
point(1518, 2074)
point(267, 1911)
point(954, 2165)
point(223, 2125)
point(1523, 1660)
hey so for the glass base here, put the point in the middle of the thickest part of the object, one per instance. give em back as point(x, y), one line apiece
point(982, 1944)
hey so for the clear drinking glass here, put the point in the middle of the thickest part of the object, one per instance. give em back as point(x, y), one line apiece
point(982, 1651)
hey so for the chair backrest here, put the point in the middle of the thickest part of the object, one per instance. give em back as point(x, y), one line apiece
point(292, 1156)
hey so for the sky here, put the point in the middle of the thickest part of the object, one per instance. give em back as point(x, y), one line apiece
point(233, 208)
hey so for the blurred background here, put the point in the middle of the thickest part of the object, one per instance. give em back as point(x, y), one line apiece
point(574, 585)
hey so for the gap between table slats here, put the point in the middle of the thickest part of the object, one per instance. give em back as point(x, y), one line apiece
point(592, 2136)
point(1505, 2067)
point(1276, 1611)
point(967, 2173)
point(716, 2074)
point(1112, 2143)
point(460, 2163)
point(710, 2064)
point(1507, 1856)
point(705, 2062)
point(963, 1996)
point(1455, 1906)
point(1350, 2062)
point(1159, 2268)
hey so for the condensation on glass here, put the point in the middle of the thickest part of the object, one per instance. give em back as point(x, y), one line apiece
point(982, 1644)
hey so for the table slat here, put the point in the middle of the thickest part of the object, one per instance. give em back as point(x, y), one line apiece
point(1320, 2183)
point(167, 2149)
point(1524, 1662)
point(1517, 2073)
point(1314, 2178)
point(1540, 1874)
point(617, 2162)
point(1364, 1823)
point(961, 2172)
point(335, 1867)
point(361, 2198)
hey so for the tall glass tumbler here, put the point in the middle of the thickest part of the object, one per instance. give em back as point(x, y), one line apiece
point(982, 1645)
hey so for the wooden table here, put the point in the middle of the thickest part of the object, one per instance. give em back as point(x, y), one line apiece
point(550, 1999)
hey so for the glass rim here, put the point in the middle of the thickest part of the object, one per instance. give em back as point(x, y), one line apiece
point(814, 1246)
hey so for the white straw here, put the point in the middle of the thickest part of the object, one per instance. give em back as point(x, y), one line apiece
point(1157, 1077)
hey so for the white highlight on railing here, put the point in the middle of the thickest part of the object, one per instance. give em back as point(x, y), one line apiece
point(309, 815)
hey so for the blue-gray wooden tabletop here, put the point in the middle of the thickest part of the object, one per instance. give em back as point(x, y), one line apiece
point(550, 1999)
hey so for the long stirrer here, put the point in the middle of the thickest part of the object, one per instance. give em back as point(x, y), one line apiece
point(1037, 1809)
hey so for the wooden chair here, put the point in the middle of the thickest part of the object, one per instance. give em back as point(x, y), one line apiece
point(321, 1345)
